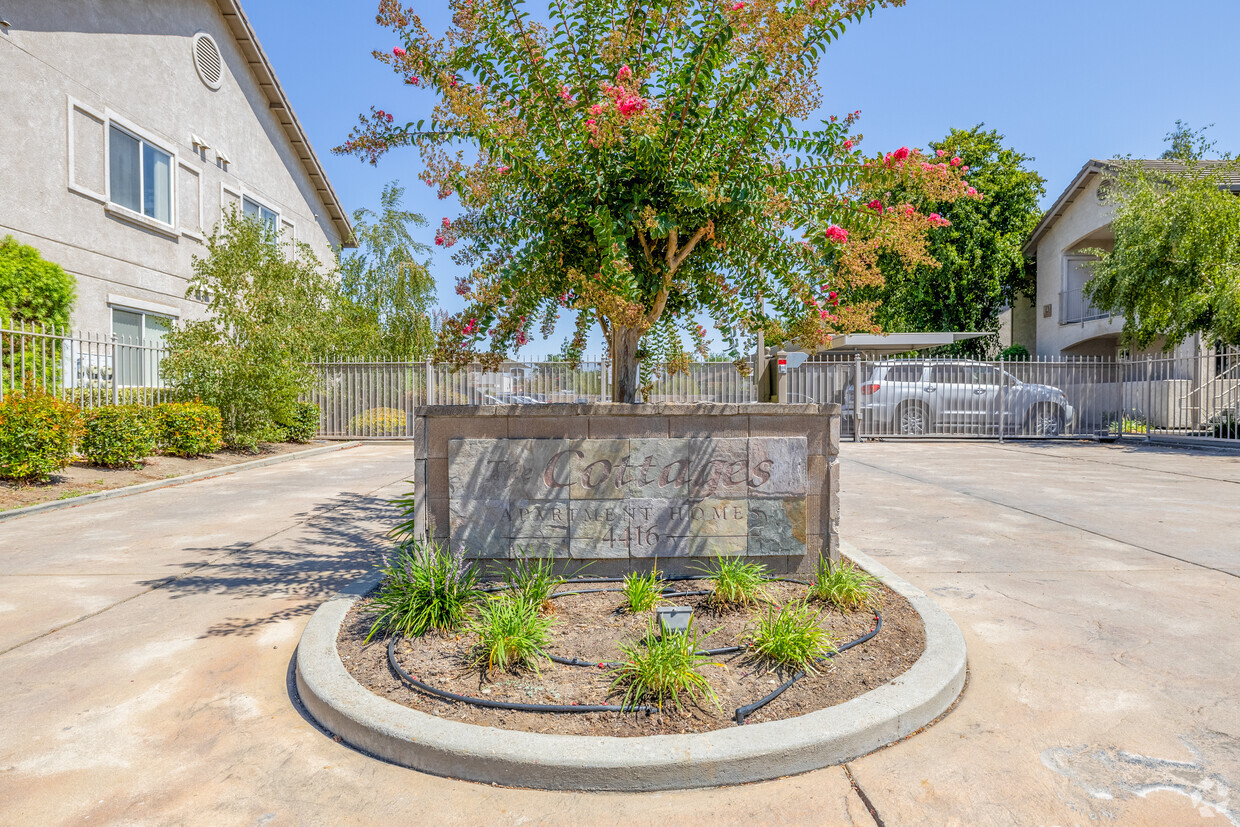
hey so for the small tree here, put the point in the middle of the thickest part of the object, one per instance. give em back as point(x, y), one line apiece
point(387, 292)
point(638, 163)
point(981, 265)
point(33, 291)
point(1175, 266)
point(268, 306)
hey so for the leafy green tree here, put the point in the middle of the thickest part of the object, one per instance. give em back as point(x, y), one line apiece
point(32, 289)
point(981, 266)
point(636, 164)
point(387, 292)
point(1175, 267)
point(269, 307)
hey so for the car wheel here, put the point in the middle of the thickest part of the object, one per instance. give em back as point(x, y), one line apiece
point(1047, 420)
point(913, 419)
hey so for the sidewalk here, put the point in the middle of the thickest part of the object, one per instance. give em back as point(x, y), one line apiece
point(146, 645)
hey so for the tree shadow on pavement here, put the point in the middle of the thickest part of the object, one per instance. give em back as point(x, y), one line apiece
point(289, 573)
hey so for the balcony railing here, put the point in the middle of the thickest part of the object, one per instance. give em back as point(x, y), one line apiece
point(1075, 307)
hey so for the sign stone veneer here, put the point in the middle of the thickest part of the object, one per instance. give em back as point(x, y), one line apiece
point(629, 486)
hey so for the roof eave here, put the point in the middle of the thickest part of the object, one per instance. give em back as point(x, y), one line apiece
point(1061, 205)
point(243, 32)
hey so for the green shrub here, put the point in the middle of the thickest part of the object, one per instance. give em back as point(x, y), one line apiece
point(189, 429)
point(302, 424)
point(845, 585)
point(101, 394)
point(378, 422)
point(424, 587)
point(1226, 425)
point(117, 435)
point(1015, 353)
point(533, 580)
point(791, 637)
point(735, 582)
point(32, 289)
point(641, 591)
point(510, 633)
point(37, 434)
point(662, 668)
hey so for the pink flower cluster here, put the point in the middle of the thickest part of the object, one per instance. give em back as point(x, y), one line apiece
point(566, 95)
point(384, 115)
point(444, 236)
point(469, 329)
point(937, 220)
point(837, 234)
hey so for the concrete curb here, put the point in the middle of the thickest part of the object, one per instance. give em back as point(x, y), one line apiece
point(756, 752)
point(221, 471)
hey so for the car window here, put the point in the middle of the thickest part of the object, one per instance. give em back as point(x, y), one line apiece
point(985, 375)
point(949, 374)
point(905, 372)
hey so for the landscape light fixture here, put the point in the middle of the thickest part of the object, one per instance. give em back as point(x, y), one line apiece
point(674, 619)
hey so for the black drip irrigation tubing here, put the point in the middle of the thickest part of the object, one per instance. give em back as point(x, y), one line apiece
point(745, 711)
point(452, 696)
point(740, 715)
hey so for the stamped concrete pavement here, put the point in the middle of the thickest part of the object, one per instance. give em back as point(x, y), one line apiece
point(146, 646)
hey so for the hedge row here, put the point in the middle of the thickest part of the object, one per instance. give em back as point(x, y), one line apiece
point(38, 433)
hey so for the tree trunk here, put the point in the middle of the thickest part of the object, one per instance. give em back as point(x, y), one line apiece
point(624, 363)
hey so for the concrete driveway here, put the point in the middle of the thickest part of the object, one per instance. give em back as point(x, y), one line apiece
point(146, 645)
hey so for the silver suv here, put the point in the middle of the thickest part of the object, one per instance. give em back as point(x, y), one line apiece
point(913, 397)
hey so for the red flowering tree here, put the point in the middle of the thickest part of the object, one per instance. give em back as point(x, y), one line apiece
point(639, 164)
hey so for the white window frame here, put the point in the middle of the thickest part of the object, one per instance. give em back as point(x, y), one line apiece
point(196, 234)
point(141, 219)
point(242, 193)
point(74, 186)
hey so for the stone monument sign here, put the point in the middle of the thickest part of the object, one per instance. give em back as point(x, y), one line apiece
point(629, 497)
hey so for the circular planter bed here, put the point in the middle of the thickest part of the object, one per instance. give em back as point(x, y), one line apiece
point(592, 628)
point(714, 752)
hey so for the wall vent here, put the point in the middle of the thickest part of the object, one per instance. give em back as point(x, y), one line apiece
point(207, 60)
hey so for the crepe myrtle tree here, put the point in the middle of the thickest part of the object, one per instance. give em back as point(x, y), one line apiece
point(640, 164)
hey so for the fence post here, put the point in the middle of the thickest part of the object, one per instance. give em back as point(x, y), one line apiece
point(1003, 400)
point(1149, 396)
point(430, 383)
point(857, 398)
point(116, 391)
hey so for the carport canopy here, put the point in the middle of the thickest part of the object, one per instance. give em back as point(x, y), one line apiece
point(886, 344)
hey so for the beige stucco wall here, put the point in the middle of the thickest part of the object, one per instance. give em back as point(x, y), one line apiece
point(1085, 216)
point(133, 59)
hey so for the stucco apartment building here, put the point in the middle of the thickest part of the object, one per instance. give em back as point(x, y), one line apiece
point(1061, 320)
point(129, 127)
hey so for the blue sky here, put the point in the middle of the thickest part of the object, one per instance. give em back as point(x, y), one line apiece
point(1064, 80)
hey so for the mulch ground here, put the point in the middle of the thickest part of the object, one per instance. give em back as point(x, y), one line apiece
point(83, 478)
point(592, 627)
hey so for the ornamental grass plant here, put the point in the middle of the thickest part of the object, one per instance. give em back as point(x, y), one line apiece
point(511, 634)
point(641, 591)
point(533, 580)
point(736, 582)
point(662, 669)
point(424, 587)
point(844, 585)
point(791, 637)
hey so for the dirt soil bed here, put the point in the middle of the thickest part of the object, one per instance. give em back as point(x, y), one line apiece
point(593, 626)
point(83, 478)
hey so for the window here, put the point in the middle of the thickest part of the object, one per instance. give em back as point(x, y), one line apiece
point(139, 175)
point(252, 208)
point(905, 373)
point(139, 339)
